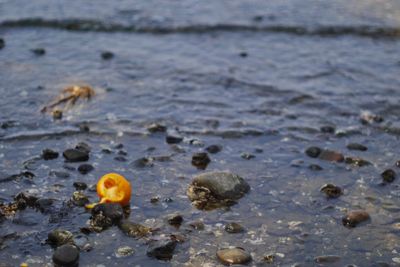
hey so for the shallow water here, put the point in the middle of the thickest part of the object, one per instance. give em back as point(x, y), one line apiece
point(308, 64)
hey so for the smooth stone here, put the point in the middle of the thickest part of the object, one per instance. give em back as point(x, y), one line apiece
point(330, 155)
point(85, 168)
point(44, 205)
point(107, 55)
point(359, 162)
point(75, 155)
point(388, 175)
point(66, 256)
point(143, 162)
point(328, 129)
point(134, 230)
point(230, 256)
point(200, 160)
point(48, 154)
point(79, 199)
point(175, 219)
point(315, 167)
point(213, 149)
point(197, 225)
point(124, 251)
point(82, 146)
point(156, 128)
point(173, 139)
point(233, 228)
point(59, 237)
point(57, 114)
point(39, 51)
point(247, 156)
point(313, 152)
point(105, 215)
point(353, 218)
point(331, 190)
point(356, 146)
point(80, 185)
point(327, 259)
point(161, 249)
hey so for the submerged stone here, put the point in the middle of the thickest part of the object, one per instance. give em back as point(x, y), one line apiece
point(200, 160)
point(353, 218)
point(231, 256)
point(356, 146)
point(330, 155)
point(134, 230)
point(313, 152)
point(213, 149)
point(161, 249)
point(48, 154)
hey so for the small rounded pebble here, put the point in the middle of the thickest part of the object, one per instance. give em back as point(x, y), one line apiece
point(233, 228)
point(331, 191)
point(233, 256)
point(85, 168)
point(353, 218)
point(388, 175)
point(38, 51)
point(57, 114)
point(356, 146)
point(48, 154)
point(313, 152)
point(213, 149)
point(66, 256)
point(106, 55)
point(124, 251)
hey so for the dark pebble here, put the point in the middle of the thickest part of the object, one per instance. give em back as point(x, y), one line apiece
point(154, 200)
point(85, 168)
point(75, 155)
point(388, 175)
point(105, 215)
point(156, 128)
point(122, 153)
point(84, 128)
point(175, 219)
point(134, 230)
point(120, 158)
point(327, 259)
point(258, 18)
point(27, 198)
point(327, 129)
point(353, 218)
point(57, 114)
point(243, 54)
point(80, 185)
point(200, 160)
point(106, 55)
point(119, 146)
point(161, 249)
point(173, 139)
point(313, 151)
point(247, 156)
point(79, 199)
point(233, 228)
point(44, 205)
point(198, 225)
point(59, 174)
point(315, 167)
point(83, 147)
point(2, 43)
point(39, 51)
point(359, 162)
point(48, 154)
point(66, 256)
point(330, 155)
point(59, 237)
point(356, 146)
point(331, 191)
point(143, 162)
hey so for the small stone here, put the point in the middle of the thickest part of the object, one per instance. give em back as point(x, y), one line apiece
point(269, 258)
point(83, 147)
point(107, 55)
point(156, 128)
point(75, 155)
point(154, 200)
point(44, 205)
point(315, 167)
point(358, 162)
point(143, 162)
point(367, 118)
point(27, 198)
point(80, 185)
point(39, 51)
point(57, 114)
point(173, 139)
point(124, 251)
point(200, 160)
point(353, 218)
point(85, 168)
point(231, 256)
point(233, 228)
point(247, 156)
point(134, 230)
point(79, 199)
point(198, 225)
point(105, 215)
point(161, 249)
point(59, 174)
point(2, 43)
point(60, 237)
point(243, 54)
point(328, 129)
point(122, 153)
point(313, 152)
point(48, 154)
point(327, 259)
point(331, 191)
point(82, 242)
point(388, 175)
point(120, 158)
point(356, 146)
point(175, 219)
point(330, 155)
point(66, 256)
point(196, 142)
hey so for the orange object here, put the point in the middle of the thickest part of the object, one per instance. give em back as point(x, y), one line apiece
point(113, 188)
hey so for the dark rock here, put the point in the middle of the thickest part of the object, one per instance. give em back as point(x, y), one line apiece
point(28, 199)
point(85, 168)
point(161, 249)
point(143, 162)
point(313, 151)
point(156, 128)
point(356, 146)
point(83, 147)
point(200, 160)
point(258, 18)
point(83, 127)
point(2, 43)
point(330, 155)
point(122, 153)
point(120, 158)
point(134, 230)
point(198, 225)
point(154, 200)
point(231, 256)
point(168, 200)
point(79, 199)
point(353, 218)
point(107, 55)
point(59, 174)
point(178, 149)
point(44, 205)
point(48, 154)
point(233, 228)
point(315, 167)
point(327, 259)
point(75, 155)
point(359, 162)
point(106, 151)
point(66, 256)
point(247, 156)
point(215, 189)
point(119, 146)
point(258, 150)
point(39, 51)
point(388, 175)
point(331, 191)
point(243, 54)
point(173, 139)
point(80, 185)
point(57, 114)
point(328, 129)
point(196, 142)
point(60, 237)
point(105, 215)
point(175, 219)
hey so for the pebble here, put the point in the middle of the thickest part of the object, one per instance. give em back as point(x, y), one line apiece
point(331, 190)
point(85, 168)
point(83, 147)
point(313, 152)
point(156, 128)
point(80, 185)
point(353, 218)
point(59, 237)
point(161, 249)
point(143, 162)
point(198, 225)
point(66, 256)
point(231, 256)
point(359, 162)
point(388, 175)
point(173, 139)
point(233, 228)
point(124, 251)
point(134, 230)
point(79, 199)
point(247, 156)
point(315, 167)
point(330, 155)
point(105, 215)
point(327, 259)
point(328, 129)
point(107, 55)
point(2, 43)
point(59, 174)
point(175, 219)
point(48, 154)
point(356, 146)
point(44, 205)
point(75, 155)
point(213, 149)
point(200, 160)
point(57, 114)
point(39, 51)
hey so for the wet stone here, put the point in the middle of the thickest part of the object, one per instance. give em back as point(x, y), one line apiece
point(247, 156)
point(356, 146)
point(82, 242)
point(79, 199)
point(134, 230)
point(75, 155)
point(48, 154)
point(59, 174)
point(2, 43)
point(175, 219)
point(27, 198)
point(388, 175)
point(82, 146)
point(80, 185)
point(143, 162)
point(216, 189)
point(156, 128)
point(124, 251)
point(66, 256)
point(39, 51)
point(328, 129)
point(57, 114)
point(107, 55)
point(59, 237)
point(120, 159)
point(233, 228)
point(330, 155)
point(213, 149)
point(154, 200)
point(327, 259)
point(315, 167)
point(200, 160)
point(122, 153)
point(161, 249)
point(331, 191)
point(231, 256)
point(105, 215)
point(44, 205)
point(353, 218)
point(173, 139)
point(197, 225)
point(359, 162)
point(313, 152)
point(85, 168)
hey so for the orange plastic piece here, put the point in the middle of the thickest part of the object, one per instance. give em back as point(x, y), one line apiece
point(113, 188)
